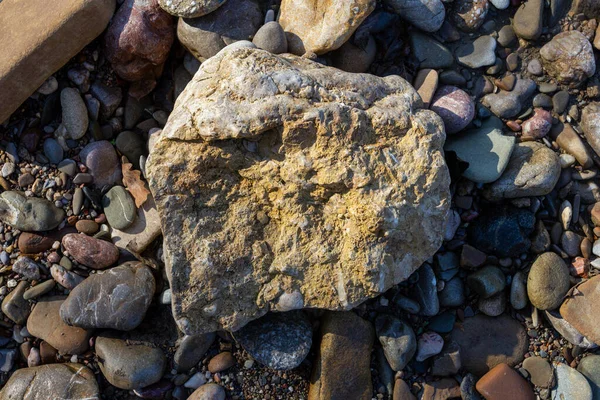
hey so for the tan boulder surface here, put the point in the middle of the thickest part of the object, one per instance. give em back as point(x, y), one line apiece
point(320, 26)
point(57, 31)
point(283, 184)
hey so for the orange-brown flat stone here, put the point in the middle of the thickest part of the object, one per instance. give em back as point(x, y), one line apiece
point(502, 383)
point(38, 37)
point(580, 309)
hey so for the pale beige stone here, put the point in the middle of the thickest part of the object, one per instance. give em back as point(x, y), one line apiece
point(276, 175)
point(144, 230)
point(38, 37)
point(320, 26)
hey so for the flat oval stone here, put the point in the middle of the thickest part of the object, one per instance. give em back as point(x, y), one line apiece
point(117, 298)
point(486, 150)
point(129, 366)
point(91, 252)
point(277, 340)
point(55, 381)
point(119, 207)
point(29, 214)
point(548, 281)
point(45, 323)
point(101, 159)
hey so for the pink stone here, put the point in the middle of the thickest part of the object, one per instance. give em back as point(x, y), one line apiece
point(454, 106)
point(537, 126)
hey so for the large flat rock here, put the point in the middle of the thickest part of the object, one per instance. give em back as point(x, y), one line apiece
point(38, 37)
point(284, 184)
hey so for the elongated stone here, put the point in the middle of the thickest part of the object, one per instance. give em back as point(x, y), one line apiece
point(29, 56)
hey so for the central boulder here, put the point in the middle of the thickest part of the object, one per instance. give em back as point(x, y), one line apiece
point(284, 184)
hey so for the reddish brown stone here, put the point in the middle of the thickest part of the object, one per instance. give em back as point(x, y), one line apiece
point(47, 353)
point(402, 391)
point(443, 389)
point(595, 213)
point(33, 243)
point(91, 252)
point(470, 257)
point(87, 226)
point(221, 362)
point(139, 39)
point(30, 139)
point(502, 383)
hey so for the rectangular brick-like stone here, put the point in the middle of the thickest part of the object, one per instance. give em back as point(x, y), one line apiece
point(38, 37)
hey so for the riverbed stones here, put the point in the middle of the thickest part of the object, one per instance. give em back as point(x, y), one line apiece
point(570, 384)
point(528, 20)
point(190, 8)
point(569, 58)
point(429, 52)
point(507, 104)
point(570, 141)
point(454, 106)
point(14, 305)
point(479, 53)
point(488, 341)
point(468, 15)
point(321, 27)
point(278, 340)
point(548, 281)
point(52, 381)
point(504, 231)
point(191, 350)
point(487, 281)
point(271, 37)
point(540, 371)
point(218, 115)
point(590, 126)
point(205, 36)
point(46, 324)
point(427, 15)
point(26, 267)
point(397, 339)
point(578, 310)
point(74, 113)
point(590, 368)
point(29, 213)
point(533, 170)
point(89, 251)
point(486, 149)
point(128, 365)
point(209, 391)
point(101, 160)
point(504, 382)
point(138, 40)
point(119, 207)
point(63, 28)
point(342, 368)
point(116, 299)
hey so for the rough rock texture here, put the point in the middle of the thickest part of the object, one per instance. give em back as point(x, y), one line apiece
point(233, 21)
point(277, 340)
point(117, 298)
point(54, 381)
point(190, 8)
point(293, 188)
point(139, 39)
point(569, 58)
point(29, 56)
point(314, 26)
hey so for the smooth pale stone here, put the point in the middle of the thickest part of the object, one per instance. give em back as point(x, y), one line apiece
point(486, 150)
point(38, 37)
